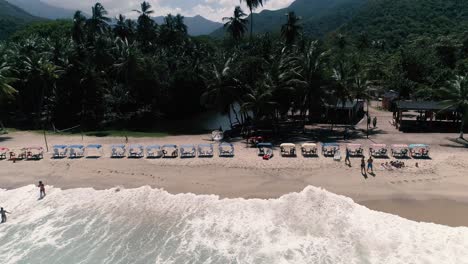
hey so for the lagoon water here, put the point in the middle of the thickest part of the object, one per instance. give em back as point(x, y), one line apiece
point(147, 225)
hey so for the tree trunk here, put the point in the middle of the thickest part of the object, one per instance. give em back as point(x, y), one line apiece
point(462, 126)
point(251, 25)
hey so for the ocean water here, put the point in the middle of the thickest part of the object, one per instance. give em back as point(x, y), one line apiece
point(147, 225)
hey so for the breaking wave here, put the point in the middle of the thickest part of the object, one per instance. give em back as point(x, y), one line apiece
point(147, 225)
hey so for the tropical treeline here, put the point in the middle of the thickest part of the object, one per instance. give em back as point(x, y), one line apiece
point(98, 72)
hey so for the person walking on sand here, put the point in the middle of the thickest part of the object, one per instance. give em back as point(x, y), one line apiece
point(347, 160)
point(42, 193)
point(368, 120)
point(363, 166)
point(374, 122)
point(370, 165)
point(3, 213)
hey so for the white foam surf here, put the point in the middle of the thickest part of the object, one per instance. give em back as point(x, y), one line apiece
point(147, 225)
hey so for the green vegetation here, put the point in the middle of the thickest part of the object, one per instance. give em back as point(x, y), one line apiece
point(397, 20)
point(12, 19)
point(140, 74)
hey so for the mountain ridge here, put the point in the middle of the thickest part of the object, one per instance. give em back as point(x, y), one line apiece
point(196, 25)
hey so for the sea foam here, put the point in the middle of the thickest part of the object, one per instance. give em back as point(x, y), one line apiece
point(147, 225)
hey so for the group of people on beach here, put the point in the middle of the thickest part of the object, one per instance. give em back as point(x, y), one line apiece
point(42, 194)
point(364, 170)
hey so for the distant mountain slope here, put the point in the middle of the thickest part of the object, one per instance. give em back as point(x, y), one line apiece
point(396, 20)
point(318, 16)
point(196, 25)
point(13, 18)
point(42, 9)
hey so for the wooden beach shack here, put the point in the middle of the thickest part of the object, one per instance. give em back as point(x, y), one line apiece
point(425, 116)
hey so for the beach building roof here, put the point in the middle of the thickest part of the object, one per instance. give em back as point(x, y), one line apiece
point(60, 146)
point(287, 145)
point(169, 146)
point(153, 147)
point(422, 106)
point(309, 145)
point(330, 145)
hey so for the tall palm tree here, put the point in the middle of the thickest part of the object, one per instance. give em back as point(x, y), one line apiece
point(122, 28)
point(237, 24)
point(221, 92)
point(179, 24)
point(311, 78)
point(98, 21)
point(456, 96)
point(252, 4)
point(291, 30)
point(78, 29)
point(145, 25)
point(6, 90)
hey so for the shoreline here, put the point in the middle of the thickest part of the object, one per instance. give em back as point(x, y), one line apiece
point(435, 191)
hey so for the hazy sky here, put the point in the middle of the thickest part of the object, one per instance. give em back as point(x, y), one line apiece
point(211, 9)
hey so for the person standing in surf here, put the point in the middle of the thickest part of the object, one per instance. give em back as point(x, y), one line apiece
point(3, 214)
point(42, 193)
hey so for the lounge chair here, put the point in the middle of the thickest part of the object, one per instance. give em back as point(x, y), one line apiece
point(309, 149)
point(135, 151)
point(419, 150)
point(205, 150)
point(378, 151)
point(355, 150)
point(34, 153)
point(170, 151)
point(153, 151)
point(76, 151)
point(288, 150)
point(93, 151)
point(264, 149)
point(3, 153)
point(330, 149)
point(118, 151)
point(226, 150)
point(59, 151)
point(188, 151)
point(400, 150)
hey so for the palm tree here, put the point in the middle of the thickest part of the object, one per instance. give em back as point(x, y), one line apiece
point(124, 27)
point(179, 24)
point(98, 21)
point(6, 90)
point(259, 101)
point(145, 25)
point(252, 4)
point(311, 78)
point(221, 92)
point(236, 25)
point(145, 9)
point(456, 96)
point(291, 30)
point(78, 31)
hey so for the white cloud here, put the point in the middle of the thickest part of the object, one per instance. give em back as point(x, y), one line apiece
point(211, 9)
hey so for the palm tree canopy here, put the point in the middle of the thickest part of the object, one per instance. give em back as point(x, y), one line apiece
point(6, 90)
point(236, 25)
point(455, 94)
point(290, 31)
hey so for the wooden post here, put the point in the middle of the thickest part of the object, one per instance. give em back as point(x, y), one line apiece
point(45, 139)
